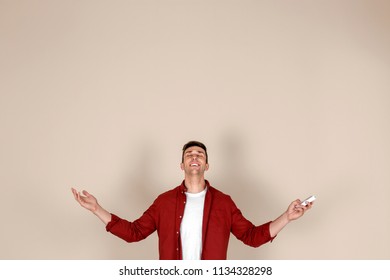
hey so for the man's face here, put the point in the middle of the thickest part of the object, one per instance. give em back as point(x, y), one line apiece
point(194, 160)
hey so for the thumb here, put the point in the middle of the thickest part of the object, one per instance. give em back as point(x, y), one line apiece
point(87, 194)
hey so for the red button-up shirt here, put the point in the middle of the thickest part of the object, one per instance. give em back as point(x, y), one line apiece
point(220, 218)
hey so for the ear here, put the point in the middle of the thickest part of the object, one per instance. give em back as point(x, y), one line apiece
point(182, 166)
point(207, 167)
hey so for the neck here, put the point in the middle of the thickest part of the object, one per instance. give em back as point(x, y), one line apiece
point(195, 184)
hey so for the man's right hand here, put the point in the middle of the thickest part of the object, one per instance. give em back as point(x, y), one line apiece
point(89, 202)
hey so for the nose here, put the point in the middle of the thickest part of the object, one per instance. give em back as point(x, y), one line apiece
point(194, 156)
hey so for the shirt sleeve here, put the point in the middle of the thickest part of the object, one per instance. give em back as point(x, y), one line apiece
point(133, 231)
point(247, 232)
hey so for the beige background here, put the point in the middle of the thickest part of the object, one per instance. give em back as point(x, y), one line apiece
point(291, 97)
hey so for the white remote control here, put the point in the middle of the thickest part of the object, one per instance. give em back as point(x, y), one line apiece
point(307, 200)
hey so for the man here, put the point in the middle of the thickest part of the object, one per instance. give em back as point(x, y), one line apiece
point(193, 220)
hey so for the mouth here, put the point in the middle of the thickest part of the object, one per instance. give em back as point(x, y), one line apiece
point(194, 164)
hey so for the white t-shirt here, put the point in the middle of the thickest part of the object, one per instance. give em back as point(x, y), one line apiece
point(191, 226)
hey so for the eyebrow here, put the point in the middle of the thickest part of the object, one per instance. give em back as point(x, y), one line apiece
point(190, 151)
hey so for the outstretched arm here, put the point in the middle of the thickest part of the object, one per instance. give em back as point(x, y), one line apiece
point(294, 211)
point(90, 203)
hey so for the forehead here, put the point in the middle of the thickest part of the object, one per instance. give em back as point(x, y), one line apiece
point(194, 149)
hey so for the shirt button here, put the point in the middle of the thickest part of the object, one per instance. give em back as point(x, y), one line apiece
point(184, 202)
point(180, 217)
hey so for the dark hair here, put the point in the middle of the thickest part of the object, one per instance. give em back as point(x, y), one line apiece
point(194, 144)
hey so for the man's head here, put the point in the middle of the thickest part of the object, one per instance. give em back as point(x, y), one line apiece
point(194, 158)
point(194, 144)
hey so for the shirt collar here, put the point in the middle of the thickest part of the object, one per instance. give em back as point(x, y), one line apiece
point(183, 188)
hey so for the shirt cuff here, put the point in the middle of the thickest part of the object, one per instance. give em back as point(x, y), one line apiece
point(269, 232)
point(114, 220)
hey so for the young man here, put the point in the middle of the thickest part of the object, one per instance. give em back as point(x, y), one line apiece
point(193, 220)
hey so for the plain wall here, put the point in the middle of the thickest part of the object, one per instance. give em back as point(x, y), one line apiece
point(292, 98)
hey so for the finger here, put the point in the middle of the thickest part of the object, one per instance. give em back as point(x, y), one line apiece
point(296, 202)
point(74, 193)
point(81, 199)
point(305, 207)
point(78, 197)
point(298, 206)
point(87, 194)
point(309, 205)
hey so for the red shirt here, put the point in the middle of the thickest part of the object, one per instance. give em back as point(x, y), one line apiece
point(220, 218)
